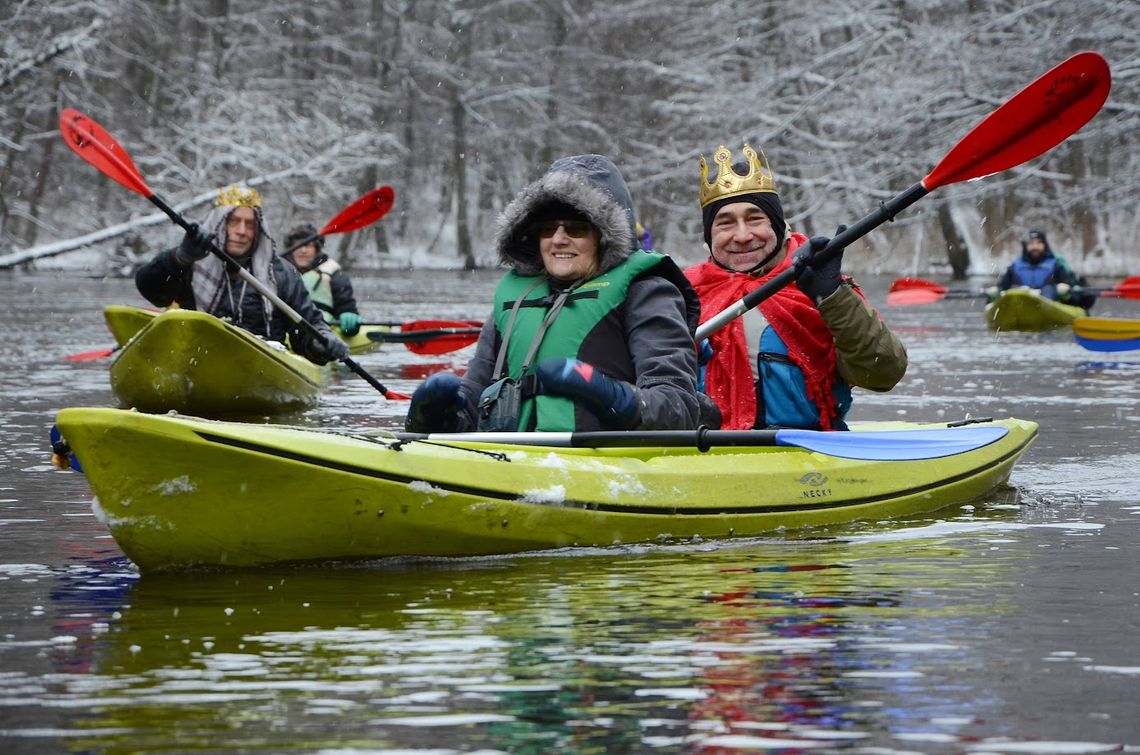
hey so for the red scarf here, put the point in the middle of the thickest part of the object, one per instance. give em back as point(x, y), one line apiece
point(797, 322)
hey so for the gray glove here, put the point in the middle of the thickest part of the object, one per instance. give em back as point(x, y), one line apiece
point(327, 348)
point(195, 245)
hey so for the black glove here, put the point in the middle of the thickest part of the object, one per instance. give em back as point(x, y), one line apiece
point(614, 402)
point(195, 245)
point(436, 405)
point(326, 348)
point(819, 281)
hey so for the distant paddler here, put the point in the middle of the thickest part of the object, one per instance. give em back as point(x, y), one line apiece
point(328, 285)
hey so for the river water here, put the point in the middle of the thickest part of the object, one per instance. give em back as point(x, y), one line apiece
point(1010, 625)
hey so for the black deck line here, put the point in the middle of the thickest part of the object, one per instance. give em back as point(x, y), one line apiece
point(611, 508)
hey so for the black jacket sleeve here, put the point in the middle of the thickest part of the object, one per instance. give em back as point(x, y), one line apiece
point(291, 290)
point(162, 281)
point(343, 298)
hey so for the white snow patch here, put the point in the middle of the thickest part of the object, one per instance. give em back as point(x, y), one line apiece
point(175, 486)
point(555, 494)
point(553, 460)
point(422, 486)
point(629, 484)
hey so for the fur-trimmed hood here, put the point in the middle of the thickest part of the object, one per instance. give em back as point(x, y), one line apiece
point(594, 186)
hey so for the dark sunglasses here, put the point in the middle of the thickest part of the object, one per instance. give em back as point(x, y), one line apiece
point(575, 229)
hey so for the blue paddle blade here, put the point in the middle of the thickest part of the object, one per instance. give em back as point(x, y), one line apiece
point(893, 445)
point(1108, 344)
point(61, 452)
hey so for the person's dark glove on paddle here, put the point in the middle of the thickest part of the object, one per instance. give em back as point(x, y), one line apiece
point(195, 245)
point(327, 348)
point(436, 405)
point(614, 402)
point(819, 281)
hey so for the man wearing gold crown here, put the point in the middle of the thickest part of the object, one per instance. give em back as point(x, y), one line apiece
point(791, 361)
point(195, 279)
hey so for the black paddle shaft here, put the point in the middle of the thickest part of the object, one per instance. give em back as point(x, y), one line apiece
point(838, 243)
point(277, 301)
point(703, 439)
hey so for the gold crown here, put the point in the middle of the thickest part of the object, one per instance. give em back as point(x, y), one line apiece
point(728, 183)
point(236, 195)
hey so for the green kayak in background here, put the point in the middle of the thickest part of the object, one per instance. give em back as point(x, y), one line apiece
point(194, 363)
point(1026, 309)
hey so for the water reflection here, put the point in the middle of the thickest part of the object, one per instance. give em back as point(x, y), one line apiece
point(816, 643)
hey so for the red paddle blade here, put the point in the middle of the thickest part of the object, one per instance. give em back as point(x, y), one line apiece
point(364, 211)
point(85, 355)
point(99, 148)
point(439, 324)
point(1129, 288)
point(449, 335)
point(908, 296)
point(903, 284)
point(1032, 122)
point(444, 343)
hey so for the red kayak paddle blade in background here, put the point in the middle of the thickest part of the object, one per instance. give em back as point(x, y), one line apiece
point(364, 211)
point(444, 343)
point(909, 296)
point(905, 284)
point(1033, 121)
point(1129, 288)
point(441, 341)
point(85, 355)
point(91, 142)
point(907, 291)
point(439, 324)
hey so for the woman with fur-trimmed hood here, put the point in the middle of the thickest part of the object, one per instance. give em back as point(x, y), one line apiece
point(588, 330)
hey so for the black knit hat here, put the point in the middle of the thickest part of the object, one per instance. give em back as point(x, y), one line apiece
point(305, 231)
point(765, 200)
point(1034, 234)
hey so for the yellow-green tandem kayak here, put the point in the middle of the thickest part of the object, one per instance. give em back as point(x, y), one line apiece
point(1026, 309)
point(179, 492)
point(194, 363)
point(124, 320)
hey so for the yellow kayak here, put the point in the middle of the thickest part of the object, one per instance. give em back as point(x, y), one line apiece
point(192, 362)
point(124, 321)
point(1025, 309)
point(179, 492)
point(1107, 333)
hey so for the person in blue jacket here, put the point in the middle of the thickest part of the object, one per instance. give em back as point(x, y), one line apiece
point(1040, 268)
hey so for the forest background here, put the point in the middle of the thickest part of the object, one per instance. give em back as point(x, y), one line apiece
point(459, 103)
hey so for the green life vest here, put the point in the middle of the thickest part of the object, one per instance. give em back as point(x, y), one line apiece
point(318, 281)
point(584, 313)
